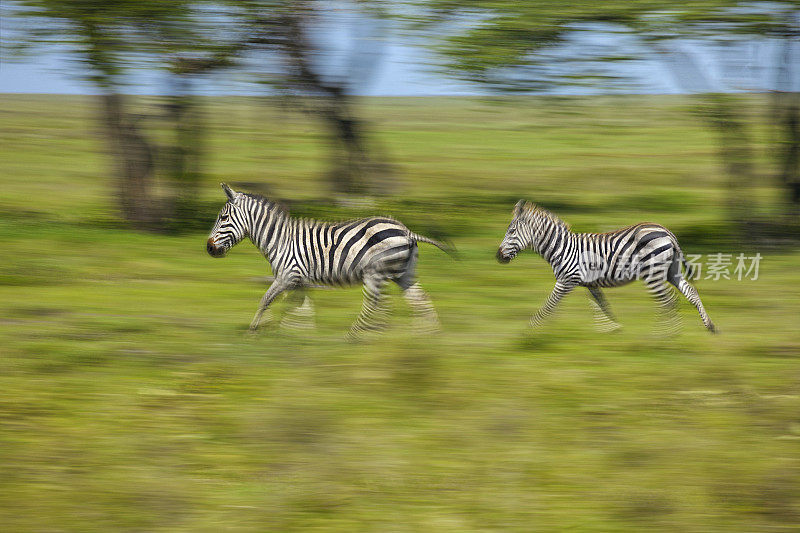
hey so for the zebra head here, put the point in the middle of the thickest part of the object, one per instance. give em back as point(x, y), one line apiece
point(519, 234)
point(230, 227)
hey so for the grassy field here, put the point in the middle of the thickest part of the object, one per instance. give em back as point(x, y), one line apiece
point(131, 398)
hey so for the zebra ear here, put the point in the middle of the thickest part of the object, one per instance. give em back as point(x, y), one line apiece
point(230, 193)
point(518, 207)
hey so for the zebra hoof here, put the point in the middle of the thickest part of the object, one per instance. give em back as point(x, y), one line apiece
point(426, 327)
point(667, 331)
point(297, 325)
point(365, 334)
point(353, 338)
point(609, 328)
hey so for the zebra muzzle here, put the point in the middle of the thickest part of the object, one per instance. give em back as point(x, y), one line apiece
point(501, 257)
point(214, 250)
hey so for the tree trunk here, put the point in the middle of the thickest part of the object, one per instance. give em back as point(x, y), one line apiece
point(184, 156)
point(790, 150)
point(353, 168)
point(786, 114)
point(722, 113)
point(349, 166)
point(133, 159)
point(735, 152)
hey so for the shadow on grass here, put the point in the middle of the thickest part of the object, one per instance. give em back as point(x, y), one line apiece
point(538, 340)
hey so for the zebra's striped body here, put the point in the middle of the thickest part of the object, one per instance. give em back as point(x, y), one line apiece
point(645, 251)
point(304, 252)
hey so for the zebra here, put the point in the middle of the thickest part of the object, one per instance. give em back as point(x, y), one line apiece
point(305, 252)
point(645, 251)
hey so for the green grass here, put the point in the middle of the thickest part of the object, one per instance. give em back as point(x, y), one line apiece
point(132, 400)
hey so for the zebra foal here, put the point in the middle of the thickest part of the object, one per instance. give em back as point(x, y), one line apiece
point(645, 251)
point(304, 252)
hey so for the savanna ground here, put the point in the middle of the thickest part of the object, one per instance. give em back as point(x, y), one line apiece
point(132, 399)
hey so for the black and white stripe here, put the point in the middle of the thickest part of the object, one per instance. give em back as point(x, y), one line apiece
point(645, 251)
point(305, 252)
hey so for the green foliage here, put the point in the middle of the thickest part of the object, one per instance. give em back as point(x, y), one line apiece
point(509, 44)
point(116, 36)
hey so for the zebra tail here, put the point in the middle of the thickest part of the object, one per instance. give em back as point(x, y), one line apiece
point(446, 248)
point(687, 267)
point(689, 271)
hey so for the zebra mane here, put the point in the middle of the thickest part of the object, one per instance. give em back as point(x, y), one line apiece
point(531, 211)
point(273, 205)
point(282, 209)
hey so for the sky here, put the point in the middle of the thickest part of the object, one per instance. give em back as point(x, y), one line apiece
point(391, 63)
point(401, 68)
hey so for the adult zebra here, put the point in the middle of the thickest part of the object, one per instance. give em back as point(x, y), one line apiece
point(303, 252)
point(645, 251)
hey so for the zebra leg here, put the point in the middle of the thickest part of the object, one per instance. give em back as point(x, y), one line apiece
point(425, 318)
point(691, 294)
point(273, 291)
point(604, 318)
point(669, 320)
point(560, 290)
point(301, 313)
point(371, 311)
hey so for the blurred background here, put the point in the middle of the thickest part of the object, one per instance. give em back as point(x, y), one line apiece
point(132, 399)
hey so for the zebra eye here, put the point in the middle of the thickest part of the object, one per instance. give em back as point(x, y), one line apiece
point(512, 231)
point(223, 218)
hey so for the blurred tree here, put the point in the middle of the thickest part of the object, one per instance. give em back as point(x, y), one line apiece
point(277, 40)
point(738, 31)
point(528, 46)
point(294, 62)
point(112, 37)
point(201, 41)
